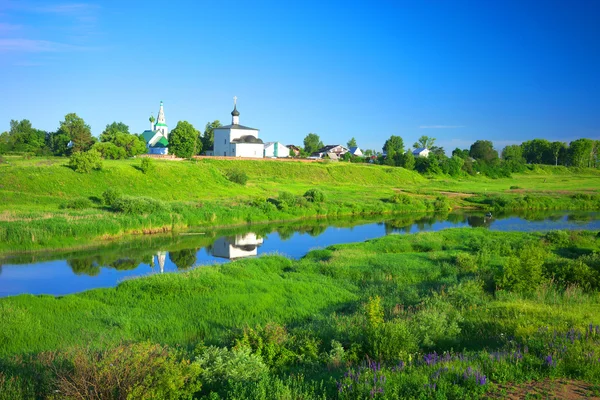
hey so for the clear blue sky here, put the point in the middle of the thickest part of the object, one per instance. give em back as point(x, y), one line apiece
point(459, 71)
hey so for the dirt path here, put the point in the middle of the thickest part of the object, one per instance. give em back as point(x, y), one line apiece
point(548, 389)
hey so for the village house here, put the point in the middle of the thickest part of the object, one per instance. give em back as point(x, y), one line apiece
point(333, 151)
point(421, 152)
point(294, 150)
point(276, 149)
point(355, 151)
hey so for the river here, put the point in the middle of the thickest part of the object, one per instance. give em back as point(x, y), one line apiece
point(60, 272)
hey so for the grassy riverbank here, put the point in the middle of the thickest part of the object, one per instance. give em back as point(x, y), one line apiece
point(451, 314)
point(45, 204)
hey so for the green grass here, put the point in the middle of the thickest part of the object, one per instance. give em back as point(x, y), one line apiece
point(395, 300)
point(39, 196)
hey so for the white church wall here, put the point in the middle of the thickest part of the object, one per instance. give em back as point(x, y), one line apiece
point(250, 150)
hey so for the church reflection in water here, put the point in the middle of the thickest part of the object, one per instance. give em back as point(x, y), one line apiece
point(161, 256)
point(238, 246)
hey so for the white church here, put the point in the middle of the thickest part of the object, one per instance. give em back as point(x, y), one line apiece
point(237, 140)
point(157, 137)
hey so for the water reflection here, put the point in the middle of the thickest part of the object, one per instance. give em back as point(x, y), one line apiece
point(68, 272)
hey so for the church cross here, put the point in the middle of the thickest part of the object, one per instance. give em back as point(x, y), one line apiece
point(234, 100)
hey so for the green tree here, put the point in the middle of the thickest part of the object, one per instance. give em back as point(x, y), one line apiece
point(462, 153)
point(183, 259)
point(109, 151)
point(425, 142)
point(111, 130)
point(408, 161)
point(184, 140)
point(208, 138)
point(394, 142)
point(455, 165)
point(537, 151)
point(85, 162)
point(78, 132)
point(312, 143)
point(23, 137)
point(390, 158)
point(557, 148)
point(133, 144)
point(352, 143)
point(483, 150)
point(513, 152)
point(581, 152)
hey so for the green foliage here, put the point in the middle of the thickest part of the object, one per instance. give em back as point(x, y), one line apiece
point(312, 143)
point(208, 138)
point(78, 132)
point(395, 143)
point(139, 205)
point(314, 196)
point(110, 151)
point(147, 165)
point(523, 271)
point(77, 204)
point(110, 196)
point(483, 151)
point(351, 143)
point(110, 132)
point(136, 371)
point(184, 140)
point(219, 365)
point(374, 312)
point(238, 176)
point(85, 162)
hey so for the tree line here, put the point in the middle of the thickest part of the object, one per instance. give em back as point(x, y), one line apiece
point(73, 135)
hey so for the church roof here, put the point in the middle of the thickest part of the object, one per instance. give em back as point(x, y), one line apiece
point(236, 126)
point(163, 142)
point(247, 139)
point(235, 112)
point(148, 135)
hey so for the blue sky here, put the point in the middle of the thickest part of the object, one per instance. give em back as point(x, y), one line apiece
point(455, 70)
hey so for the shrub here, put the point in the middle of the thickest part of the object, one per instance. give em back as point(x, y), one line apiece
point(85, 162)
point(558, 238)
point(442, 203)
point(137, 371)
point(147, 165)
point(391, 341)
point(515, 187)
point(138, 205)
point(110, 196)
point(77, 204)
point(220, 365)
point(110, 151)
point(400, 198)
point(523, 272)
point(237, 176)
point(314, 195)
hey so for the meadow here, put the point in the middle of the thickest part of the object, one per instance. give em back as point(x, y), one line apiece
point(45, 204)
point(460, 313)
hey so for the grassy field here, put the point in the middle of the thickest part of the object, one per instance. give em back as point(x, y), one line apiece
point(451, 314)
point(45, 204)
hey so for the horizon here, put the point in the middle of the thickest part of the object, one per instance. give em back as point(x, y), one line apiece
point(505, 73)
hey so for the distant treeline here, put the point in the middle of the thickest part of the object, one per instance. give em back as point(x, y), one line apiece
point(116, 142)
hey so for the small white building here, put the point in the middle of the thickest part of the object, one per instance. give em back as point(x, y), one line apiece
point(276, 149)
point(421, 152)
point(236, 140)
point(355, 151)
point(157, 137)
point(333, 149)
point(240, 246)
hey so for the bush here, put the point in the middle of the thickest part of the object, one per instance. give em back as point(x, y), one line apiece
point(220, 365)
point(110, 196)
point(77, 204)
point(147, 165)
point(137, 371)
point(558, 238)
point(110, 151)
point(515, 187)
point(238, 176)
point(138, 205)
point(85, 162)
point(523, 272)
point(315, 195)
point(442, 203)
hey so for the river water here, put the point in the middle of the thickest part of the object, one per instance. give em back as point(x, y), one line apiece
point(59, 272)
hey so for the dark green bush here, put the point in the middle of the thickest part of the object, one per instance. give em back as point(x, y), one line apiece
point(110, 196)
point(314, 195)
point(139, 205)
point(238, 176)
point(147, 165)
point(86, 162)
point(558, 238)
point(77, 204)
